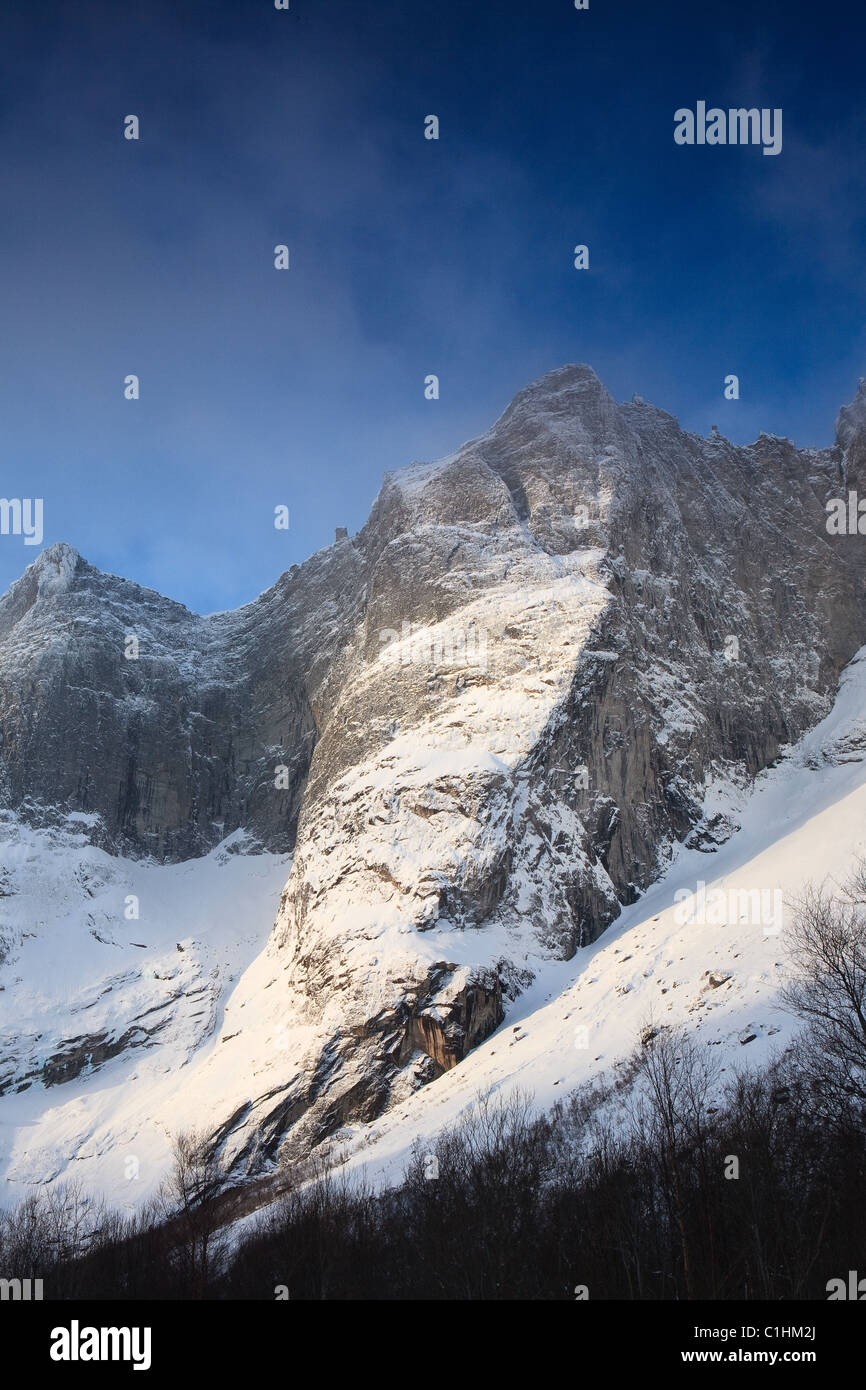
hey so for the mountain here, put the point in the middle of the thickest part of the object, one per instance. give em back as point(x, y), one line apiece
point(480, 727)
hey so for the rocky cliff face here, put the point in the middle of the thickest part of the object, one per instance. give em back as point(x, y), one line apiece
point(167, 726)
point(495, 709)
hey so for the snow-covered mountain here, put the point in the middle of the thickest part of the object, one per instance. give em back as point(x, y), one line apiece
point(481, 727)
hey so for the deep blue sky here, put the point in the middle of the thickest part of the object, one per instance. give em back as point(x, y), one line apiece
point(408, 256)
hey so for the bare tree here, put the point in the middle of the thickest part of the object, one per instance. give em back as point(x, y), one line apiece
point(188, 1202)
point(671, 1113)
point(828, 989)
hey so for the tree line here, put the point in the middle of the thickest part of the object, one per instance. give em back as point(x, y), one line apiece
point(664, 1181)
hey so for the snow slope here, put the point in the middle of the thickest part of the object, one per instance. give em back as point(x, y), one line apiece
point(78, 971)
point(802, 820)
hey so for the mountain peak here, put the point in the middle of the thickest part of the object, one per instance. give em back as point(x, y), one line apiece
point(571, 384)
point(851, 420)
point(55, 567)
point(570, 400)
point(57, 554)
point(52, 572)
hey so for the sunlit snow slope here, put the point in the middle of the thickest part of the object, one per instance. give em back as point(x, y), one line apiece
point(81, 982)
